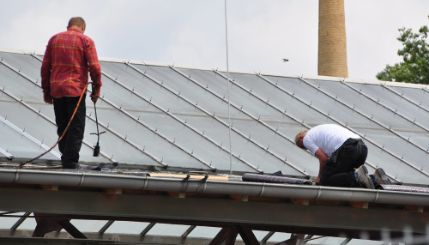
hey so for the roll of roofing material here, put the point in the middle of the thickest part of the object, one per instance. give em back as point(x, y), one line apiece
point(275, 179)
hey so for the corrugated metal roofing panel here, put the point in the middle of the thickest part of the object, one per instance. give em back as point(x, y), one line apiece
point(20, 144)
point(160, 115)
point(417, 95)
point(414, 154)
point(418, 118)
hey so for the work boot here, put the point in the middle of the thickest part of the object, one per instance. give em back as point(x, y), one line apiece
point(376, 181)
point(382, 176)
point(363, 179)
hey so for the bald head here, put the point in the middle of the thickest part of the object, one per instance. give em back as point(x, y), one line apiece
point(77, 22)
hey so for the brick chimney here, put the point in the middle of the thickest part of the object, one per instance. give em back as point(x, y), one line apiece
point(332, 57)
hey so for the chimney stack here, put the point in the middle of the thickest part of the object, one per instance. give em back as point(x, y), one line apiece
point(332, 57)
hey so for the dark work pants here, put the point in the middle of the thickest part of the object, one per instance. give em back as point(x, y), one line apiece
point(71, 143)
point(340, 167)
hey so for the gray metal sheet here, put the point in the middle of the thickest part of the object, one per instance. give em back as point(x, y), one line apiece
point(417, 95)
point(405, 151)
point(22, 88)
point(286, 149)
point(137, 82)
point(5, 154)
point(129, 137)
point(38, 127)
point(176, 131)
point(213, 129)
point(19, 145)
point(382, 136)
point(380, 159)
point(188, 90)
point(28, 121)
point(400, 170)
point(325, 104)
point(23, 62)
point(239, 99)
point(116, 147)
point(397, 104)
point(182, 135)
point(149, 140)
point(282, 100)
point(193, 92)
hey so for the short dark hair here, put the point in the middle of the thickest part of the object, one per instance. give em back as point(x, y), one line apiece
point(77, 21)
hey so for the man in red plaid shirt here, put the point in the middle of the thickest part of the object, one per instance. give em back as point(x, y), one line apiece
point(69, 56)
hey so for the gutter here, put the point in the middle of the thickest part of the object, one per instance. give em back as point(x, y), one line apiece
point(122, 181)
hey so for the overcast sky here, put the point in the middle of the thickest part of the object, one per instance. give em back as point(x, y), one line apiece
point(192, 32)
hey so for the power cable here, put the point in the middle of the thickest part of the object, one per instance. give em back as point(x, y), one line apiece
point(229, 85)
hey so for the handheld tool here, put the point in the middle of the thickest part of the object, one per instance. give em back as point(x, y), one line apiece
point(96, 152)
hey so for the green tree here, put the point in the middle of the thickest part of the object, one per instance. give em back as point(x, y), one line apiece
point(414, 67)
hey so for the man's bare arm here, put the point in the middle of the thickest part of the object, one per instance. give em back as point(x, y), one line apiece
point(323, 158)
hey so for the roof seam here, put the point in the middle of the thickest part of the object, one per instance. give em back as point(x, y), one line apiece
point(146, 126)
point(248, 114)
point(196, 131)
point(390, 109)
point(371, 119)
point(319, 111)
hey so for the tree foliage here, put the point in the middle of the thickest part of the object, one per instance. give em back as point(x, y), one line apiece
point(414, 67)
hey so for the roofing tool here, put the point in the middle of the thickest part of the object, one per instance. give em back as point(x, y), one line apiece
point(97, 146)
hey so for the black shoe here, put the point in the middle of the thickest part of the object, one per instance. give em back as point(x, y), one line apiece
point(376, 181)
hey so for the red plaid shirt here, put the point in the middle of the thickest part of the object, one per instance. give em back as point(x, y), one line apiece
point(68, 58)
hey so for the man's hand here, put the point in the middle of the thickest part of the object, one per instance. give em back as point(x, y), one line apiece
point(47, 98)
point(317, 180)
point(94, 97)
point(323, 158)
point(95, 94)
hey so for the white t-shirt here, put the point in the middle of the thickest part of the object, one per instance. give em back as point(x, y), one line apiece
point(328, 137)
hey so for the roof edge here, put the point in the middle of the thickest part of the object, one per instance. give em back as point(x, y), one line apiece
point(102, 180)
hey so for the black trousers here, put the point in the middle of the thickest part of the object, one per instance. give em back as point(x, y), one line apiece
point(70, 145)
point(340, 168)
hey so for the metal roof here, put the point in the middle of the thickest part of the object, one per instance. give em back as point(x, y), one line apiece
point(165, 117)
point(178, 117)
